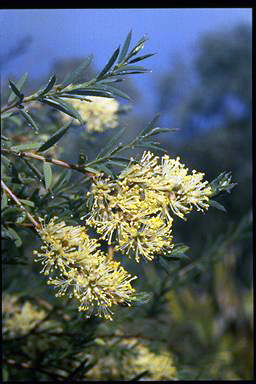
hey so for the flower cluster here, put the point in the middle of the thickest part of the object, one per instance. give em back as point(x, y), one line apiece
point(135, 214)
point(98, 113)
point(79, 269)
point(20, 318)
point(137, 358)
point(138, 207)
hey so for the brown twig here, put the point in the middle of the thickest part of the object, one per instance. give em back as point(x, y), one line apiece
point(60, 163)
point(15, 198)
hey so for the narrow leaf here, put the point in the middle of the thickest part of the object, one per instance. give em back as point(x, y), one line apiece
point(131, 68)
point(109, 147)
point(157, 130)
point(179, 250)
point(72, 96)
point(141, 58)
point(103, 168)
point(20, 84)
point(217, 205)
point(29, 119)
point(151, 125)
point(117, 92)
point(4, 200)
point(90, 92)
point(15, 90)
point(91, 169)
point(150, 145)
point(25, 147)
point(47, 174)
point(49, 85)
point(137, 48)
point(12, 234)
point(118, 163)
point(27, 202)
point(125, 47)
point(34, 169)
point(129, 72)
point(74, 75)
point(63, 107)
point(109, 64)
point(106, 81)
point(63, 178)
point(55, 138)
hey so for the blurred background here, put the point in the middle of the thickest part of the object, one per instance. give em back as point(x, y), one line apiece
point(201, 84)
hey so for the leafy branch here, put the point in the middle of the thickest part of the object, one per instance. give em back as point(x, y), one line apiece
point(120, 65)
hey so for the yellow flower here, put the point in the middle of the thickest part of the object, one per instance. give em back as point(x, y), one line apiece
point(98, 284)
point(126, 212)
point(135, 359)
point(136, 209)
point(183, 190)
point(145, 238)
point(20, 318)
point(62, 246)
point(98, 114)
point(81, 270)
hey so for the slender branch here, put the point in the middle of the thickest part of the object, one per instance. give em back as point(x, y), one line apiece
point(60, 163)
point(11, 194)
point(16, 104)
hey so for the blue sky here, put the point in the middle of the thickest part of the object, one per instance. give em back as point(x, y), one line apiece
point(62, 33)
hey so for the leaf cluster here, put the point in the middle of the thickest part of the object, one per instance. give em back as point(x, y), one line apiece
point(118, 67)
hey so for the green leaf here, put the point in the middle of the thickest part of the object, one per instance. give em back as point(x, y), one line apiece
point(137, 48)
point(150, 145)
point(25, 147)
point(49, 85)
point(34, 169)
point(119, 161)
point(12, 234)
point(127, 68)
point(78, 97)
point(141, 58)
point(157, 130)
point(90, 92)
point(109, 64)
point(222, 184)
point(27, 202)
point(103, 168)
point(29, 119)
point(55, 138)
point(217, 205)
point(4, 200)
point(20, 84)
point(63, 107)
point(62, 180)
point(109, 147)
point(16, 91)
point(109, 80)
point(151, 125)
point(74, 75)
point(125, 47)
point(117, 92)
point(122, 160)
point(21, 218)
point(142, 297)
point(178, 252)
point(91, 169)
point(47, 174)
